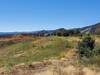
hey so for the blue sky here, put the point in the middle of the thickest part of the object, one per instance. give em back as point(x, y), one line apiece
point(32, 15)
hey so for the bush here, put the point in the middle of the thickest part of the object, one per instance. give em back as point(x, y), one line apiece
point(96, 56)
point(86, 46)
point(89, 52)
point(96, 51)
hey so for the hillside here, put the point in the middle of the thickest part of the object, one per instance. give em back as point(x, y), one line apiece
point(44, 56)
point(94, 29)
point(40, 54)
point(36, 49)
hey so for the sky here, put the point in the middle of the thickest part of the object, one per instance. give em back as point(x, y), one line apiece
point(33, 15)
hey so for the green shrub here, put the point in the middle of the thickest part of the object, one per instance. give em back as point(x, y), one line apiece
point(96, 51)
point(95, 59)
point(86, 46)
point(89, 51)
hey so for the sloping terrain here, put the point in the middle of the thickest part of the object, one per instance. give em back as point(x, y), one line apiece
point(45, 56)
point(64, 66)
point(33, 50)
point(94, 29)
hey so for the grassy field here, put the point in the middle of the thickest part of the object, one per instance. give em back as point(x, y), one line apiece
point(37, 49)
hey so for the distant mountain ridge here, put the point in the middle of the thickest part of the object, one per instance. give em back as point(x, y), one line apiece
point(93, 29)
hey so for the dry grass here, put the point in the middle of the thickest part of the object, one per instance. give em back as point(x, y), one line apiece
point(52, 67)
point(56, 67)
point(23, 55)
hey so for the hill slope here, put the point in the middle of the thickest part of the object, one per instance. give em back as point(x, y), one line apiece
point(36, 50)
point(94, 29)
